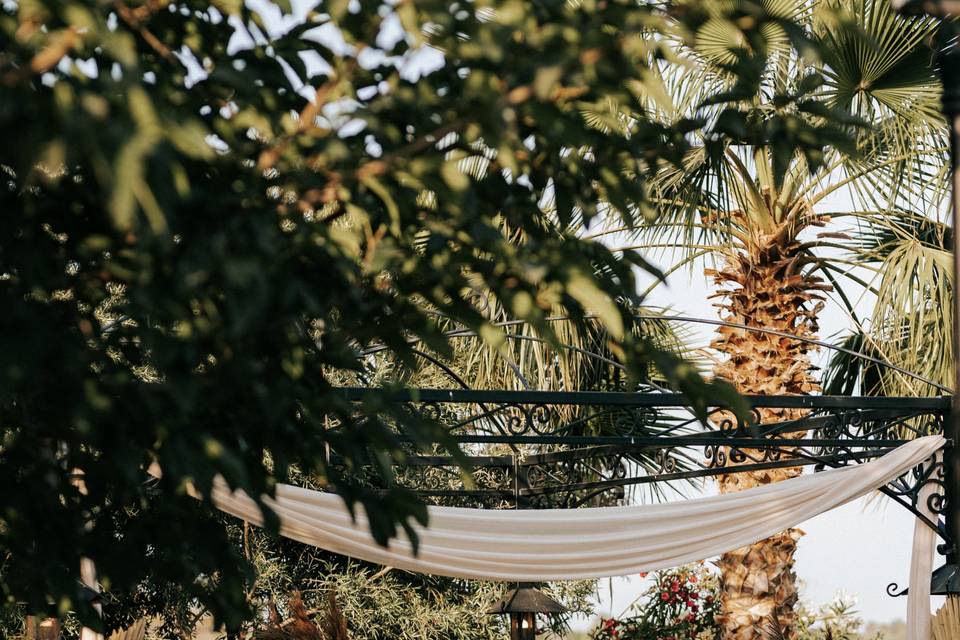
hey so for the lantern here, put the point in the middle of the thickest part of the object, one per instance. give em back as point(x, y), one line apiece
point(522, 604)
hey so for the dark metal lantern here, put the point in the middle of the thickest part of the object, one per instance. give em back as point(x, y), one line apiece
point(522, 604)
point(946, 581)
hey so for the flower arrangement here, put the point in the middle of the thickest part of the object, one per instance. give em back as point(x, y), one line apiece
point(679, 605)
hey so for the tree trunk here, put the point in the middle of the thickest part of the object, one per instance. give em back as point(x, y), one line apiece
point(30, 628)
point(764, 289)
point(47, 629)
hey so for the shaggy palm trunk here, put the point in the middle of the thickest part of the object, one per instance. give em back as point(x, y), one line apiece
point(764, 287)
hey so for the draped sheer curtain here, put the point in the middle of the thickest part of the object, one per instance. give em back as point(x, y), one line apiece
point(571, 544)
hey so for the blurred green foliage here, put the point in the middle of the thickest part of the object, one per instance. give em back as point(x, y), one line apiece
point(208, 209)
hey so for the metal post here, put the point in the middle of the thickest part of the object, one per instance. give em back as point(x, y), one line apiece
point(952, 453)
point(946, 580)
point(521, 484)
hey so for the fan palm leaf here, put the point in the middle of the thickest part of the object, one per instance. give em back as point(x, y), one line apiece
point(913, 311)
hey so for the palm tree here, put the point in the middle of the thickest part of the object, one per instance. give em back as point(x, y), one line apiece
point(777, 244)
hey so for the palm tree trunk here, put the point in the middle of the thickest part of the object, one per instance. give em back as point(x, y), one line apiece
point(765, 289)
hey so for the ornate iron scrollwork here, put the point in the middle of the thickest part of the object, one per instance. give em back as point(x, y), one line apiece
point(909, 489)
point(558, 449)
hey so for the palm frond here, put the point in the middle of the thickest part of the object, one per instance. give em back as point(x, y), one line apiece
point(910, 325)
point(884, 73)
point(946, 624)
point(771, 629)
point(885, 67)
point(847, 375)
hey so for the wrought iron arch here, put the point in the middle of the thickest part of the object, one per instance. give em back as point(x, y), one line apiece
point(551, 452)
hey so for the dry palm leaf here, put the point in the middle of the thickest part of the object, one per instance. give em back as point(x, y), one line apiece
point(297, 627)
point(334, 623)
point(136, 631)
point(946, 624)
point(771, 629)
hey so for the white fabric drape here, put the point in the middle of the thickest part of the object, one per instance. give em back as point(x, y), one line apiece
point(561, 544)
point(569, 544)
point(921, 565)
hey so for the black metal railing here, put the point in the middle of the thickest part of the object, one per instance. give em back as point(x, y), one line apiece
point(566, 449)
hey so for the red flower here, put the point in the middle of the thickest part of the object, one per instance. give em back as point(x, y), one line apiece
point(674, 586)
point(691, 617)
point(664, 596)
